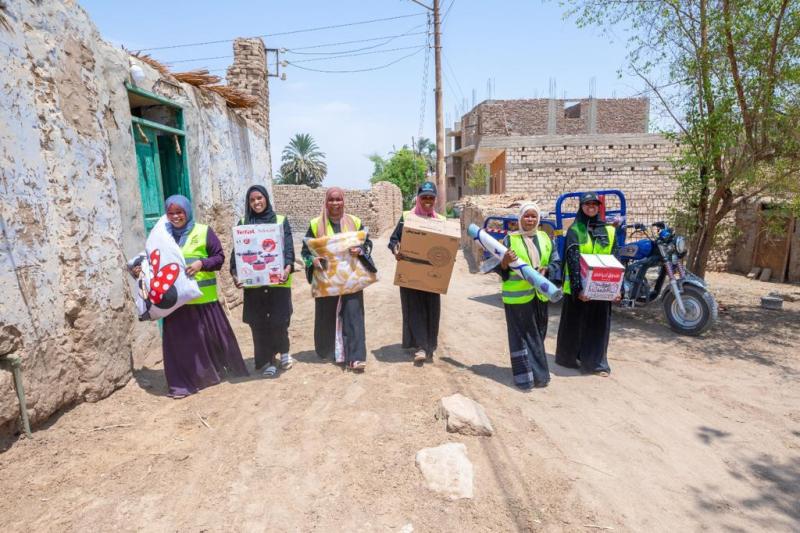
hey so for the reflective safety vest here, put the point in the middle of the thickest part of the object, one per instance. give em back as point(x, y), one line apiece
point(406, 214)
point(288, 282)
point(516, 290)
point(587, 246)
point(315, 225)
point(193, 249)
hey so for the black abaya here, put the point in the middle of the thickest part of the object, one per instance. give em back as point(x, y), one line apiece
point(421, 310)
point(528, 358)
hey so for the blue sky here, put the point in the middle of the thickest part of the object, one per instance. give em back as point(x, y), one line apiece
point(519, 44)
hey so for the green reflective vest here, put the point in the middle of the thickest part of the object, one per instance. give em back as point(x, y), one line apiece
point(587, 246)
point(407, 213)
point(516, 290)
point(193, 249)
point(315, 225)
point(288, 282)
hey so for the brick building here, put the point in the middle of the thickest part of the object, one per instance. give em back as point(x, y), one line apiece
point(545, 147)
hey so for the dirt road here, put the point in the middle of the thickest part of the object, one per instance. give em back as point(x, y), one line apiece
point(686, 434)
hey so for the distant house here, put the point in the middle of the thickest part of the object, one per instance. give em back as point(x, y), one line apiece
point(543, 147)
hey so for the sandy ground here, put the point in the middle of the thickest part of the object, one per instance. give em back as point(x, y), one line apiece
point(686, 435)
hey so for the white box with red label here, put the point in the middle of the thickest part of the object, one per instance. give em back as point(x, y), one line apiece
point(602, 276)
point(259, 253)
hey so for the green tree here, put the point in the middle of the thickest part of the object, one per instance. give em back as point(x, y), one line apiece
point(477, 177)
point(727, 73)
point(403, 168)
point(302, 163)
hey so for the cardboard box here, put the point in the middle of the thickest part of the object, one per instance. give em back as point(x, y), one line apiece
point(258, 250)
point(602, 276)
point(427, 254)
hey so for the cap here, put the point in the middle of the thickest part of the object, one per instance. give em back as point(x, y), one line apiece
point(427, 188)
point(589, 197)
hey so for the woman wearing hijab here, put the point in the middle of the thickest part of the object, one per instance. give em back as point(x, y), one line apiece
point(268, 310)
point(348, 308)
point(525, 307)
point(421, 309)
point(585, 324)
point(198, 341)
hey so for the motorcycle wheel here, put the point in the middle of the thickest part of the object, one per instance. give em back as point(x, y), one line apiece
point(701, 311)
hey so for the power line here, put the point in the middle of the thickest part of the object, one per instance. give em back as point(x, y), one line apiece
point(354, 55)
point(455, 78)
point(386, 40)
point(291, 32)
point(363, 69)
point(447, 11)
point(424, 92)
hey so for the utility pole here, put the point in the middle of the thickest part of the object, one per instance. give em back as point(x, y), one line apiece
point(441, 184)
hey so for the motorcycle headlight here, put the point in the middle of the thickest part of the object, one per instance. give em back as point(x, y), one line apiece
point(680, 245)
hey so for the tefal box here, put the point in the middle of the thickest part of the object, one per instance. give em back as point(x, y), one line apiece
point(428, 251)
point(258, 250)
point(602, 276)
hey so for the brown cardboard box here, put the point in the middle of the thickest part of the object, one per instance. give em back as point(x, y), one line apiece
point(427, 254)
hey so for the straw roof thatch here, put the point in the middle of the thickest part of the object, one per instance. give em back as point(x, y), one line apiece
point(198, 77)
point(234, 97)
point(145, 58)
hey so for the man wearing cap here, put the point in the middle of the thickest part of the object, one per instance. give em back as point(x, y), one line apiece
point(585, 324)
point(421, 309)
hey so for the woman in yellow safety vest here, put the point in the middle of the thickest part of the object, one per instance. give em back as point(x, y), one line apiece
point(525, 308)
point(268, 310)
point(346, 311)
point(198, 342)
point(585, 324)
point(421, 309)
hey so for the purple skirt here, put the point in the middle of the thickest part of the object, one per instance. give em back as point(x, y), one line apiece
point(199, 345)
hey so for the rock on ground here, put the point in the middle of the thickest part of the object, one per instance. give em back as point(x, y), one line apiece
point(447, 470)
point(464, 416)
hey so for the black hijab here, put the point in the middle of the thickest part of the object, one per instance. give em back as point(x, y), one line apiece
point(595, 226)
point(267, 216)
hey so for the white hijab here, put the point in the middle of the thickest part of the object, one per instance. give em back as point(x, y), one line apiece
point(527, 236)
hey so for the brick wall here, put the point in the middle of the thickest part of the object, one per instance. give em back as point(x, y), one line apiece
point(379, 208)
point(249, 73)
point(642, 170)
point(530, 117)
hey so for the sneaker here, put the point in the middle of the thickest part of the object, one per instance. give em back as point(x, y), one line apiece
point(286, 361)
point(419, 357)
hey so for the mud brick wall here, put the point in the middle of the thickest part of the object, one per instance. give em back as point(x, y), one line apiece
point(379, 208)
point(249, 73)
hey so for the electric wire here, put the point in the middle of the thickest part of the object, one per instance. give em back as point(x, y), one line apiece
point(419, 49)
point(354, 55)
point(291, 32)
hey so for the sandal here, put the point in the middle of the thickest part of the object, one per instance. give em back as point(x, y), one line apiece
point(286, 361)
point(601, 373)
point(357, 366)
point(269, 372)
point(419, 357)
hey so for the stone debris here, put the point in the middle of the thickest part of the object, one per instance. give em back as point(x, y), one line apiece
point(447, 470)
point(754, 272)
point(772, 302)
point(765, 274)
point(465, 416)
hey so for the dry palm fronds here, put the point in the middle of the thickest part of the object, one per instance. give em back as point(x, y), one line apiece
point(144, 58)
point(198, 78)
point(234, 97)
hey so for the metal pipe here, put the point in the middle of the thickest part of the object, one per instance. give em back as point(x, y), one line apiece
point(16, 369)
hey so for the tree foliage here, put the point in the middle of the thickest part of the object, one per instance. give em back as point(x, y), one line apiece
point(478, 177)
point(403, 168)
point(427, 150)
point(727, 74)
point(302, 162)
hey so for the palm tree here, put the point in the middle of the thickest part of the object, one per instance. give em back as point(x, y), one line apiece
point(427, 150)
point(302, 163)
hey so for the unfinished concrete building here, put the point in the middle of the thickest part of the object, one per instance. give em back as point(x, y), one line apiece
point(543, 147)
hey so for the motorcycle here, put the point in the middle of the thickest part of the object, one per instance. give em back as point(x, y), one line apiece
point(654, 270)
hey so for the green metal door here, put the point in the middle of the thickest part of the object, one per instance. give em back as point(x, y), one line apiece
point(147, 161)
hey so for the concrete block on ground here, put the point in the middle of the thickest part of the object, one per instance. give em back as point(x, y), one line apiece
point(447, 470)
